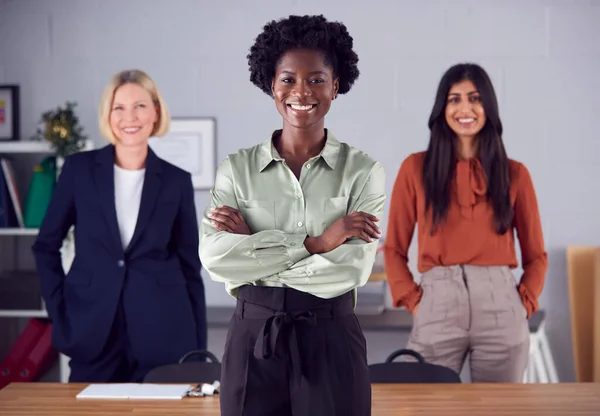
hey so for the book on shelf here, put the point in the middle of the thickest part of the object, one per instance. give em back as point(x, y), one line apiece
point(31, 355)
point(11, 211)
point(30, 214)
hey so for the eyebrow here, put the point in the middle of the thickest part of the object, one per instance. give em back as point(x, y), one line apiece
point(310, 73)
point(135, 102)
point(470, 93)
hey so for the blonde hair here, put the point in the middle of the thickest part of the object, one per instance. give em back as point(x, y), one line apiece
point(133, 76)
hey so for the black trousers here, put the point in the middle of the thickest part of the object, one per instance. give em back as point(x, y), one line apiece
point(292, 353)
point(116, 363)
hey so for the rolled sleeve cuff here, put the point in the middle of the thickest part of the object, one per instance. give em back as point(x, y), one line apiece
point(411, 300)
point(529, 301)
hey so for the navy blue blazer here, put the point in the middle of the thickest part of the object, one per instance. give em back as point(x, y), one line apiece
point(156, 278)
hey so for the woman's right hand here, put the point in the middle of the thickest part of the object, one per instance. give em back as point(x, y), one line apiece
point(415, 309)
point(228, 219)
point(356, 224)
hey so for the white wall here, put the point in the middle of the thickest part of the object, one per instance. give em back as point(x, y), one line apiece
point(543, 57)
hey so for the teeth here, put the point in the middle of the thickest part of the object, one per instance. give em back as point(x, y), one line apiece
point(466, 120)
point(131, 129)
point(301, 107)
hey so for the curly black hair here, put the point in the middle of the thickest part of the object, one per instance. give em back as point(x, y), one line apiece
point(308, 32)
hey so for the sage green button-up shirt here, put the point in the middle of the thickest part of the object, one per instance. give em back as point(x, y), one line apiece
point(281, 211)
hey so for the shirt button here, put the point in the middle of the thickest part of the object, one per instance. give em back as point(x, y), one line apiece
point(299, 196)
point(121, 263)
point(299, 223)
point(292, 244)
point(308, 166)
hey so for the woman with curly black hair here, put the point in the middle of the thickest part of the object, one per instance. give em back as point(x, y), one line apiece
point(291, 231)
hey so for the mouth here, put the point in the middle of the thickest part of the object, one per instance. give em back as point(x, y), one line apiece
point(298, 108)
point(466, 121)
point(131, 130)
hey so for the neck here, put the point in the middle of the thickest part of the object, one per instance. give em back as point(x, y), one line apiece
point(467, 147)
point(131, 158)
point(306, 142)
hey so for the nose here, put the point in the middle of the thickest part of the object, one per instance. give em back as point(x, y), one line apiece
point(466, 106)
point(129, 115)
point(302, 89)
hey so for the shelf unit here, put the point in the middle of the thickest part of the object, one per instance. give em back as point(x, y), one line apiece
point(17, 150)
point(18, 231)
point(24, 146)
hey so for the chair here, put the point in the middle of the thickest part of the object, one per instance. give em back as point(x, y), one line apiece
point(187, 372)
point(411, 372)
point(541, 367)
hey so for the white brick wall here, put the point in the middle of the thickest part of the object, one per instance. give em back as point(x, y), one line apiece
point(543, 57)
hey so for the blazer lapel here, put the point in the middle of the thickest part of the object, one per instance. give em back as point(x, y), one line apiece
point(104, 176)
point(150, 192)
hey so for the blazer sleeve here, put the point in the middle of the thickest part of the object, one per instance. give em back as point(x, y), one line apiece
point(186, 240)
point(60, 216)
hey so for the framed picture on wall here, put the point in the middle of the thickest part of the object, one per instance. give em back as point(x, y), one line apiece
point(191, 145)
point(9, 112)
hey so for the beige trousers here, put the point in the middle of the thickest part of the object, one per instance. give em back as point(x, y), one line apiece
point(472, 310)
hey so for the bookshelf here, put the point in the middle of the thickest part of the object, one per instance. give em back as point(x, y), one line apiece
point(23, 313)
point(18, 231)
point(16, 254)
point(24, 146)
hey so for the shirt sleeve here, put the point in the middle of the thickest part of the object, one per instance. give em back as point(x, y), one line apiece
point(401, 225)
point(349, 265)
point(235, 258)
point(529, 232)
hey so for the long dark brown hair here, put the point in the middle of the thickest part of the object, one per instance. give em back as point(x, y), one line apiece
point(440, 160)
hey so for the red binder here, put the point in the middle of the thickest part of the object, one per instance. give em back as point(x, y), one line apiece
point(39, 359)
point(20, 350)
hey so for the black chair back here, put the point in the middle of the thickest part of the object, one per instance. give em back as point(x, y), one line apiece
point(410, 372)
point(186, 371)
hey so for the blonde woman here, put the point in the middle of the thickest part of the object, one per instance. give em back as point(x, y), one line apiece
point(133, 298)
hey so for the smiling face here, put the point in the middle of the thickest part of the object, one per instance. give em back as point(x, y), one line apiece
point(133, 115)
point(465, 114)
point(303, 88)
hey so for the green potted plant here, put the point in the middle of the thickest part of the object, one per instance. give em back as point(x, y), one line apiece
point(61, 128)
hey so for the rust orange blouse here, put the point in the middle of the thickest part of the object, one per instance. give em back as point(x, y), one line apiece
point(468, 235)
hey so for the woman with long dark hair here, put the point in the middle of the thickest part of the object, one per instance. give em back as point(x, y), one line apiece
point(467, 198)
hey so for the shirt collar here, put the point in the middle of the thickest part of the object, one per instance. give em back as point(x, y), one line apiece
point(268, 152)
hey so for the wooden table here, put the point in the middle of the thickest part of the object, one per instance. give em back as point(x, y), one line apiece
point(54, 399)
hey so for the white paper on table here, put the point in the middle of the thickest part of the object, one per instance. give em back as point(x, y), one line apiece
point(134, 391)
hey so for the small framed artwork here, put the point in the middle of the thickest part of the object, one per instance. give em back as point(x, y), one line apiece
point(191, 145)
point(9, 112)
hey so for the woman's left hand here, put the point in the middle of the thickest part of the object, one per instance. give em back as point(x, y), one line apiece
point(229, 219)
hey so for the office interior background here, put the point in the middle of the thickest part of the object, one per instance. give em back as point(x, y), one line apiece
point(543, 57)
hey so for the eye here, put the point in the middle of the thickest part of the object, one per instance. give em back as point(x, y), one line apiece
point(117, 108)
point(141, 105)
point(287, 80)
point(316, 81)
point(454, 100)
point(475, 98)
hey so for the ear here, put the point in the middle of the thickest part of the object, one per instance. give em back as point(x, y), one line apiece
point(336, 88)
point(273, 87)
